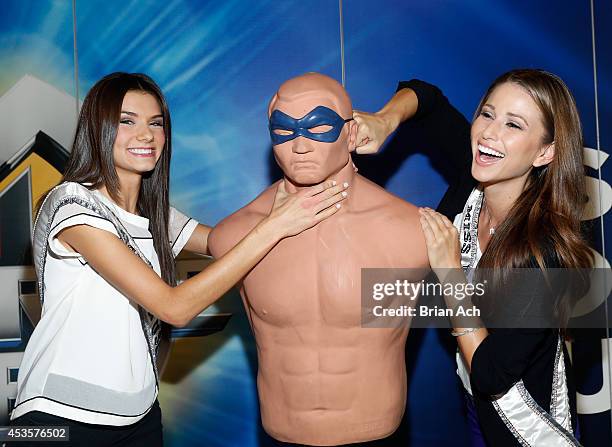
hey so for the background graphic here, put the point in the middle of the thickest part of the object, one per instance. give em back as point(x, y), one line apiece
point(219, 62)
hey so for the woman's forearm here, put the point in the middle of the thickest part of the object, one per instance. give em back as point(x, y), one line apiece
point(469, 342)
point(190, 297)
point(400, 108)
point(469, 331)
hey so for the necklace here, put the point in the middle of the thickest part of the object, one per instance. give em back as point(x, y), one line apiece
point(489, 218)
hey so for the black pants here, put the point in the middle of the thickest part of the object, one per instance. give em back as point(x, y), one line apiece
point(146, 433)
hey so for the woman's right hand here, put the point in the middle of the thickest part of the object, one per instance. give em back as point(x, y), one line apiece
point(373, 130)
point(293, 213)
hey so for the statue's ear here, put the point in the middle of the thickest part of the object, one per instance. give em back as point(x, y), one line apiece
point(272, 103)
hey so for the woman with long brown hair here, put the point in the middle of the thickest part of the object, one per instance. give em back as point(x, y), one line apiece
point(516, 202)
point(105, 240)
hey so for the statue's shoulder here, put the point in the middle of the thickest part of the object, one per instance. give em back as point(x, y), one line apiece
point(378, 200)
point(393, 223)
point(230, 230)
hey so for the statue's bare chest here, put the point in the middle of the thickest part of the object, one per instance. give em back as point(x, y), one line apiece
point(315, 275)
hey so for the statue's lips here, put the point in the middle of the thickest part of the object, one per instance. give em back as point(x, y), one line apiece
point(304, 164)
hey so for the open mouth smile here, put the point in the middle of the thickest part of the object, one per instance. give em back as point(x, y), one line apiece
point(142, 151)
point(488, 156)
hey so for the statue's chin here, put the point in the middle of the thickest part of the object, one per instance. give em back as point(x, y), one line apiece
point(302, 180)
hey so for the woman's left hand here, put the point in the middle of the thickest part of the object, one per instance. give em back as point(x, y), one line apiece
point(442, 241)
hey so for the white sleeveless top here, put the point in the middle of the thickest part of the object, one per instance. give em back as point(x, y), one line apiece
point(88, 359)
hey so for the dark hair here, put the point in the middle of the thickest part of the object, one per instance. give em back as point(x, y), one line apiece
point(546, 217)
point(91, 160)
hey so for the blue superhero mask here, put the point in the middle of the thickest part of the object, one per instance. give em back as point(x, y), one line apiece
point(319, 116)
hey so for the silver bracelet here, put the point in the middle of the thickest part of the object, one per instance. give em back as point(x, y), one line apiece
point(465, 331)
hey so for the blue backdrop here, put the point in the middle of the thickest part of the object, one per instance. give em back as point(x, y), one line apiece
point(220, 62)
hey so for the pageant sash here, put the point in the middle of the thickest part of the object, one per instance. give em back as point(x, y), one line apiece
point(530, 424)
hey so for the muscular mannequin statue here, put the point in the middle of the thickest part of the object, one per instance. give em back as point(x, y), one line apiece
point(323, 379)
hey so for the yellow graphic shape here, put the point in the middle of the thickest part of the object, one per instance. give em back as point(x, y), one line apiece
point(44, 176)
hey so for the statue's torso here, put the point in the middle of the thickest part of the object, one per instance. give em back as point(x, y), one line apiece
point(323, 379)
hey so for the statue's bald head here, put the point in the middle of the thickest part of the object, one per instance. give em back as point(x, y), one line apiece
point(313, 132)
point(310, 87)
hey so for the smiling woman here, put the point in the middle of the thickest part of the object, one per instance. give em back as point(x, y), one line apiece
point(519, 172)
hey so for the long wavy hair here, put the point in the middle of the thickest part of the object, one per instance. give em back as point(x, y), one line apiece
point(545, 220)
point(91, 160)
